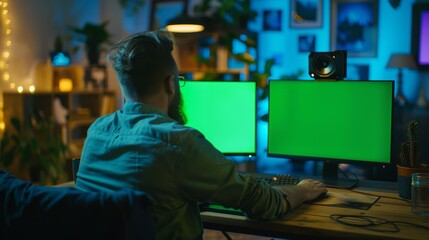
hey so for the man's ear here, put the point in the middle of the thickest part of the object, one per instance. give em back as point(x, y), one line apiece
point(170, 87)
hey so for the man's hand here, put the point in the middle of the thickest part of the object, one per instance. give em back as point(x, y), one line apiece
point(311, 189)
point(305, 190)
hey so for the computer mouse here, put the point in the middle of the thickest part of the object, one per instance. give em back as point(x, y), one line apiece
point(318, 198)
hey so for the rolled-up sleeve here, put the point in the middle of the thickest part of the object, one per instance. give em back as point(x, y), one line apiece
point(205, 175)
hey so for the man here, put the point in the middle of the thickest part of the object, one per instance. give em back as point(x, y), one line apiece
point(146, 147)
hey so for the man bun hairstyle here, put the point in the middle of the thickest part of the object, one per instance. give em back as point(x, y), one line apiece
point(142, 61)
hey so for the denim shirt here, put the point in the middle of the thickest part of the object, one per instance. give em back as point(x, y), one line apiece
point(141, 148)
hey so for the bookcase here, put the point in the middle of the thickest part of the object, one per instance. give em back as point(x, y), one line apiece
point(73, 112)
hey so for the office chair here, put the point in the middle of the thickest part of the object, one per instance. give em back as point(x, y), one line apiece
point(30, 211)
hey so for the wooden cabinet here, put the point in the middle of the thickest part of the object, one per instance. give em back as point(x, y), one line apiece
point(73, 111)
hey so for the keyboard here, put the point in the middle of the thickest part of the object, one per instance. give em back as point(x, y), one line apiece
point(277, 179)
point(271, 179)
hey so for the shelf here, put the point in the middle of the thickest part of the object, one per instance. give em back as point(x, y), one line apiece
point(82, 107)
point(217, 60)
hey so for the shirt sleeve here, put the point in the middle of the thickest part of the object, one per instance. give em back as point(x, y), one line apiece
point(206, 175)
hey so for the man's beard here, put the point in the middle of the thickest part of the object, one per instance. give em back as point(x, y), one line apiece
point(175, 110)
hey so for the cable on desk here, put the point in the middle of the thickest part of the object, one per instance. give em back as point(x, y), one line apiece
point(370, 223)
point(347, 176)
point(226, 235)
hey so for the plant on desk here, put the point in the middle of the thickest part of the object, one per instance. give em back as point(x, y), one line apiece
point(410, 160)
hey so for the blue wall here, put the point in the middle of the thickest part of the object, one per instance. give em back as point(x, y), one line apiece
point(394, 36)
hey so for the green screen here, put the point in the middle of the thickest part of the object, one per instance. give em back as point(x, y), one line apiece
point(348, 120)
point(225, 112)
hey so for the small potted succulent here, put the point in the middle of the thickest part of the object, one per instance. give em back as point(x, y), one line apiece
point(410, 160)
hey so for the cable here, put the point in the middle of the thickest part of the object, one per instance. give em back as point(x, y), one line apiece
point(347, 176)
point(226, 235)
point(370, 223)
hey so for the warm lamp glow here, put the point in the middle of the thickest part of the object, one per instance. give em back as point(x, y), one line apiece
point(65, 85)
point(185, 28)
point(20, 89)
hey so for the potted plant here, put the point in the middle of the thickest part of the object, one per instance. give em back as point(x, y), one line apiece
point(34, 150)
point(410, 160)
point(228, 23)
point(94, 36)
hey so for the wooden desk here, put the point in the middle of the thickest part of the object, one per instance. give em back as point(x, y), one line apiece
point(314, 222)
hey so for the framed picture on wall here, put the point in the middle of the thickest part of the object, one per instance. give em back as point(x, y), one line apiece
point(306, 13)
point(272, 20)
point(354, 27)
point(306, 43)
point(163, 11)
point(357, 71)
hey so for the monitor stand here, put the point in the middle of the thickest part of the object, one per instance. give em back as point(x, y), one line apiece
point(330, 177)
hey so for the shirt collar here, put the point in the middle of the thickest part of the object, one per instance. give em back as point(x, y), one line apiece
point(141, 108)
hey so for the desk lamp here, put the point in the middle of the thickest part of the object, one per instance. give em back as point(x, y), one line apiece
point(401, 61)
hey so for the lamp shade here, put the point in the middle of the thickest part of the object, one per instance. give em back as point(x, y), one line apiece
point(402, 61)
point(185, 24)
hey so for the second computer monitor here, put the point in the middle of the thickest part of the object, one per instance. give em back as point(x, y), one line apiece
point(338, 121)
point(225, 112)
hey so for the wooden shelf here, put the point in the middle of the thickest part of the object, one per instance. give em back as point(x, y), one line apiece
point(83, 107)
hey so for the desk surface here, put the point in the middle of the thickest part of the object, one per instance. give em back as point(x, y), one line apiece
point(314, 222)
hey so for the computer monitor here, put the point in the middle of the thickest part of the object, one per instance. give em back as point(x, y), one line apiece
point(225, 112)
point(333, 121)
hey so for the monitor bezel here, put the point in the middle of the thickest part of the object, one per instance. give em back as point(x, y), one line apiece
point(362, 162)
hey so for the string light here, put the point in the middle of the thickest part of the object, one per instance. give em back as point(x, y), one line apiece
point(5, 45)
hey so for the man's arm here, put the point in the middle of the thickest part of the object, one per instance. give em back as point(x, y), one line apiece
point(206, 175)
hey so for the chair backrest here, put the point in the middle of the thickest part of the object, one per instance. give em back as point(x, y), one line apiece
point(43, 212)
point(75, 166)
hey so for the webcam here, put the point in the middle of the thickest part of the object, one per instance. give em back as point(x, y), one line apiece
point(328, 65)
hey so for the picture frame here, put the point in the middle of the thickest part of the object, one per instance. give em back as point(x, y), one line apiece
point(306, 13)
point(163, 11)
point(359, 72)
point(354, 27)
point(306, 43)
point(272, 20)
